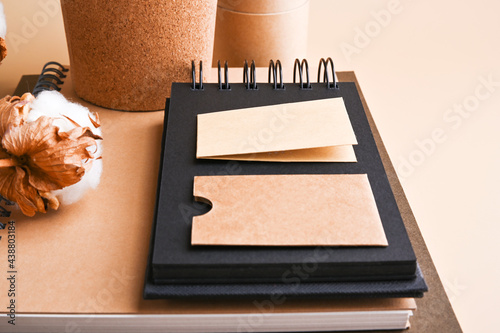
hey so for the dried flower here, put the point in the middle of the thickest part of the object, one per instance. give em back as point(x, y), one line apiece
point(3, 32)
point(3, 49)
point(37, 157)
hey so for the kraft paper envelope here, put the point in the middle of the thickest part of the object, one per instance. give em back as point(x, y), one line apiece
point(314, 131)
point(287, 210)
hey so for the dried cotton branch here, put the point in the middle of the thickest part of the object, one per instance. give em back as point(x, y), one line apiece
point(3, 33)
point(48, 147)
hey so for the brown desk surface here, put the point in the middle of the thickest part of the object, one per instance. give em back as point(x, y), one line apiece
point(57, 242)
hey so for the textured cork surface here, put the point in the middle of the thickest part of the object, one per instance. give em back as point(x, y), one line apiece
point(124, 54)
point(261, 31)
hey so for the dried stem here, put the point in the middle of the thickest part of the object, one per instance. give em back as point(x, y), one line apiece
point(7, 162)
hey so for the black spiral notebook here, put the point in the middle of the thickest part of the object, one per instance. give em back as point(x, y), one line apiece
point(177, 269)
point(51, 77)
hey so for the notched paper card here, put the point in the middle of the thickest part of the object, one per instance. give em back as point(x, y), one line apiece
point(287, 210)
point(310, 131)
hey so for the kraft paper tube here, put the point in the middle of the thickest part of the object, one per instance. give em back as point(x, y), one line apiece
point(124, 54)
point(261, 30)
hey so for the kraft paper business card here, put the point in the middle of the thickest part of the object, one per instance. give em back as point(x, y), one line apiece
point(287, 210)
point(309, 131)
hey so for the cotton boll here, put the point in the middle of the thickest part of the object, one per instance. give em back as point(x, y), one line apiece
point(73, 193)
point(55, 105)
point(3, 23)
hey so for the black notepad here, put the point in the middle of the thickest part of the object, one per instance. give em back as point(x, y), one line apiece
point(174, 260)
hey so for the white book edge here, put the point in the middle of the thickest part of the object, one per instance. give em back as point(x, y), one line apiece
point(206, 323)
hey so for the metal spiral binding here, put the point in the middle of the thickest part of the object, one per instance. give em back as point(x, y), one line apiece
point(195, 86)
point(274, 69)
point(54, 70)
point(48, 81)
point(250, 79)
point(50, 63)
point(301, 67)
point(223, 86)
point(275, 72)
point(53, 77)
point(326, 78)
point(59, 71)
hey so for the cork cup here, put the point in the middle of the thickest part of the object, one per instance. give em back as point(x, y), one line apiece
point(124, 54)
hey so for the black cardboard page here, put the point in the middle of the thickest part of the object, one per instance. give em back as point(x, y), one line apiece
point(174, 260)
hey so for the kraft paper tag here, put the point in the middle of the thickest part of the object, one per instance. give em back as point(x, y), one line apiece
point(314, 131)
point(287, 210)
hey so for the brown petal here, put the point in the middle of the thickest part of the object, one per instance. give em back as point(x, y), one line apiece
point(96, 122)
point(78, 132)
point(51, 199)
point(13, 111)
point(3, 153)
point(3, 49)
point(71, 121)
point(14, 186)
point(53, 158)
point(30, 138)
point(8, 114)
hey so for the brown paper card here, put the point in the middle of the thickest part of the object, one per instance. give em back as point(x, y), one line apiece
point(289, 127)
point(323, 154)
point(281, 210)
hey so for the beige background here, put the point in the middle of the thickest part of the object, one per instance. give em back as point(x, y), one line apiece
point(427, 58)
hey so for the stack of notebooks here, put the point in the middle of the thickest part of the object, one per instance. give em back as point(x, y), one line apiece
point(302, 205)
point(232, 246)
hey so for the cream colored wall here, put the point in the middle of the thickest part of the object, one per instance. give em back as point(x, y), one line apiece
point(35, 35)
point(418, 66)
point(417, 72)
